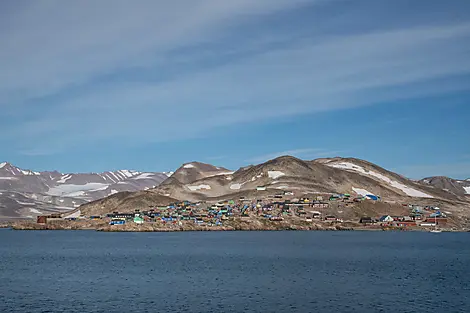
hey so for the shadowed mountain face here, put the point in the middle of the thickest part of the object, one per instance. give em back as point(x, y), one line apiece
point(26, 193)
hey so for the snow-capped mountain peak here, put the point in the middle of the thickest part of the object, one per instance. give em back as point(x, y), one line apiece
point(67, 190)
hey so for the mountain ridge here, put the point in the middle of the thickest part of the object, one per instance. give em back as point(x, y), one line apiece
point(48, 191)
point(52, 191)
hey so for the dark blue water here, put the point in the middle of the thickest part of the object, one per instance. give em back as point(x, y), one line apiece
point(86, 271)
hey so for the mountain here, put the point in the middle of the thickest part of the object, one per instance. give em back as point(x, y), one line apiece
point(125, 202)
point(337, 175)
point(26, 193)
point(204, 182)
point(459, 187)
point(190, 172)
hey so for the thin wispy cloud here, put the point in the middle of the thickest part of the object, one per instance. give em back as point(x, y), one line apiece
point(143, 72)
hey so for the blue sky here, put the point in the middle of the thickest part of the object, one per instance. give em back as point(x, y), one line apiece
point(148, 85)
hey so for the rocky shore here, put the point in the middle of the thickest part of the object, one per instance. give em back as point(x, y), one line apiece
point(233, 225)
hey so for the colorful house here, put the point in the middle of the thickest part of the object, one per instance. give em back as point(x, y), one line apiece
point(138, 219)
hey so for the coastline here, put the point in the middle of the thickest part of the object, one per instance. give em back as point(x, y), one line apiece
point(243, 225)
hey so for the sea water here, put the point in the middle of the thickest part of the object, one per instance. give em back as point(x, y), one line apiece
point(88, 271)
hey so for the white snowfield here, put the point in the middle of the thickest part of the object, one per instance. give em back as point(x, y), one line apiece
point(74, 215)
point(406, 189)
point(467, 190)
point(25, 203)
point(8, 178)
point(235, 186)
point(77, 194)
point(188, 165)
point(275, 174)
point(362, 192)
point(144, 176)
point(35, 211)
point(198, 187)
point(67, 189)
point(2, 165)
point(64, 178)
point(219, 174)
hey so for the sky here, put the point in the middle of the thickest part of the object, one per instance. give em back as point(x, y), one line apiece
point(150, 84)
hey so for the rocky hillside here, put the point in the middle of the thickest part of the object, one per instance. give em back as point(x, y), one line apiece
point(124, 202)
point(458, 187)
point(194, 171)
point(337, 175)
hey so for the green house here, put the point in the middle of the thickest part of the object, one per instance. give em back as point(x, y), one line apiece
point(138, 219)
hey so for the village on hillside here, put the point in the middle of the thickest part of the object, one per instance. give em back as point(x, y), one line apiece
point(282, 210)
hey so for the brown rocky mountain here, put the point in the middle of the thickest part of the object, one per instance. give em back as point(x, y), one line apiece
point(458, 187)
point(198, 181)
point(190, 172)
point(124, 202)
point(336, 175)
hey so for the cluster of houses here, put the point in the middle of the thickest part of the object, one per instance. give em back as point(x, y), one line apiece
point(346, 197)
point(426, 216)
point(275, 208)
point(214, 215)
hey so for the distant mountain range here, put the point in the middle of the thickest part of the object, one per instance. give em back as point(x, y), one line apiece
point(26, 193)
point(197, 181)
point(460, 187)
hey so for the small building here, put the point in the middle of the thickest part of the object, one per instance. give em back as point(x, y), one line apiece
point(386, 219)
point(261, 188)
point(372, 197)
point(41, 219)
point(437, 220)
point(138, 219)
point(366, 220)
point(117, 221)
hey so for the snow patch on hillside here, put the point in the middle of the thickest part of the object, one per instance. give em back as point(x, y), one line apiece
point(35, 211)
point(467, 190)
point(144, 176)
point(64, 178)
point(406, 189)
point(361, 192)
point(275, 174)
point(219, 174)
point(236, 186)
point(2, 165)
point(188, 166)
point(129, 173)
point(76, 194)
point(70, 189)
point(198, 187)
point(74, 215)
